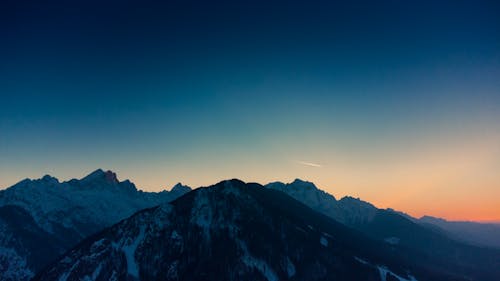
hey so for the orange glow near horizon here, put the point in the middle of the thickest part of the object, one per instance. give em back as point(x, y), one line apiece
point(453, 176)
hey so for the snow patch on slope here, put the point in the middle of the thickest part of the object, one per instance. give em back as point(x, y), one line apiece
point(290, 268)
point(257, 263)
point(129, 251)
point(201, 214)
point(94, 275)
point(172, 272)
point(362, 261)
point(323, 241)
point(65, 275)
point(384, 271)
point(392, 240)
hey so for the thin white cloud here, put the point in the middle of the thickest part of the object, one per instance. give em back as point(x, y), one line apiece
point(309, 164)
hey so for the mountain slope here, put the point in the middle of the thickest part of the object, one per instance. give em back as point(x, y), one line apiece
point(238, 231)
point(41, 219)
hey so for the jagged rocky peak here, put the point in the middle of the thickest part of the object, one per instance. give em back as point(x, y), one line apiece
point(427, 218)
point(50, 179)
point(22, 182)
point(45, 181)
point(111, 176)
point(304, 191)
point(180, 188)
point(303, 184)
point(101, 175)
point(296, 184)
point(101, 179)
point(355, 201)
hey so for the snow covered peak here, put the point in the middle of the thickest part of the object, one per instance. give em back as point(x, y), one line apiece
point(309, 194)
point(347, 210)
point(97, 199)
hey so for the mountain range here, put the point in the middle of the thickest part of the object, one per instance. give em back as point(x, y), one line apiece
point(41, 219)
point(359, 214)
point(482, 234)
point(100, 228)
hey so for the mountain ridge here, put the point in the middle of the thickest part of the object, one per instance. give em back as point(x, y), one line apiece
point(244, 231)
point(70, 218)
point(366, 217)
point(210, 215)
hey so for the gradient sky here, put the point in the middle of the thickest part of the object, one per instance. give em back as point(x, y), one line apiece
point(396, 102)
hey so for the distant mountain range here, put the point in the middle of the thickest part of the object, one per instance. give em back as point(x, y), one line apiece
point(98, 228)
point(360, 214)
point(481, 234)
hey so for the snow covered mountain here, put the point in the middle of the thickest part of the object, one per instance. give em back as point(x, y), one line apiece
point(348, 210)
point(238, 231)
point(230, 231)
point(41, 219)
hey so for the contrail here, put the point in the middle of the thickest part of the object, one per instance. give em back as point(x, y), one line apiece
point(309, 164)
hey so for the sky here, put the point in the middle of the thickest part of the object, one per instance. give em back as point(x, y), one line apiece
point(395, 102)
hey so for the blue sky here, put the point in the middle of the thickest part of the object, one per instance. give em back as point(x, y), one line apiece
point(198, 92)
